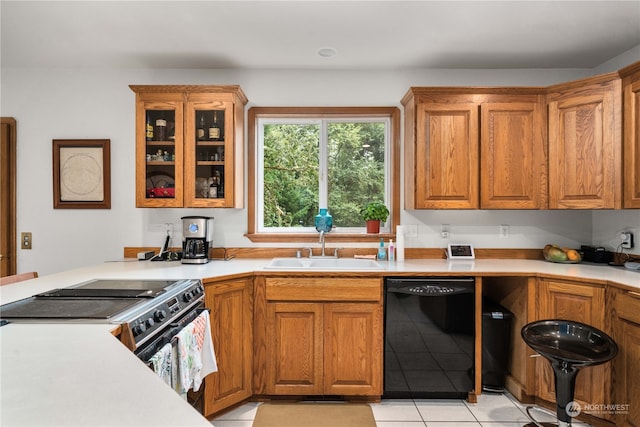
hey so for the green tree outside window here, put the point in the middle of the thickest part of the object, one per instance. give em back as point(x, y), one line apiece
point(293, 170)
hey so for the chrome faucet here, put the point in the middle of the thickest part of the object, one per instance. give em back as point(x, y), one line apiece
point(323, 253)
point(322, 242)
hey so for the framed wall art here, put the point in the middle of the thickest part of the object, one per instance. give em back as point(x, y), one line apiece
point(81, 174)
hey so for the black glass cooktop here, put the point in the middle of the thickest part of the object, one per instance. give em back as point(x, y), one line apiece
point(95, 299)
point(124, 287)
point(66, 308)
point(112, 289)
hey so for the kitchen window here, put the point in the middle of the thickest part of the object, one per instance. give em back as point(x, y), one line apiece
point(302, 159)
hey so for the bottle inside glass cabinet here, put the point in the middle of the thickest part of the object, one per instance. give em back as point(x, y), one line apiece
point(200, 129)
point(149, 129)
point(160, 154)
point(215, 131)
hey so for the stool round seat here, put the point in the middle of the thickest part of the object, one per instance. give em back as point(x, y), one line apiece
point(572, 342)
point(569, 346)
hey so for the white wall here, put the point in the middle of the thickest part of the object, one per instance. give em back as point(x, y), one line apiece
point(97, 103)
point(620, 61)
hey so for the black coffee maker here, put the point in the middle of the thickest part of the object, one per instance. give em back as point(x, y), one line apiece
point(197, 238)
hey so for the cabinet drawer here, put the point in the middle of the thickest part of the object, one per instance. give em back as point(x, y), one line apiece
point(627, 306)
point(323, 289)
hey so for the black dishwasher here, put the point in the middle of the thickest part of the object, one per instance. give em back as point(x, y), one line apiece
point(429, 337)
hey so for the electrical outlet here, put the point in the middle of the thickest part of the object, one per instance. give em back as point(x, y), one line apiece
point(626, 238)
point(504, 231)
point(26, 240)
point(444, 231)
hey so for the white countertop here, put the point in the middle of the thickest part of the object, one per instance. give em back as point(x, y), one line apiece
point(80, 375)
point(132, 269)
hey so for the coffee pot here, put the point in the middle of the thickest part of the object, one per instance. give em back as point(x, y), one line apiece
point(197, 239)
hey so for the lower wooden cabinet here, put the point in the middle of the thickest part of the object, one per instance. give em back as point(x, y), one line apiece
point(231, 305)
point(579, 302)
point(626, 365)
point(353, 348)
point(295, 354)
point(323, 336)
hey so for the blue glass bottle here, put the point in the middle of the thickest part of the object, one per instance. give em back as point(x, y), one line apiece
point(324, 221)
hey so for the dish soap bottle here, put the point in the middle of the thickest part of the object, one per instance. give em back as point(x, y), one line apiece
point(392, 254)
point(382, 252)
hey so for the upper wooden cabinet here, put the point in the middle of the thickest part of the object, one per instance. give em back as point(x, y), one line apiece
point(512, 154)
point(189, 146)
point(446, 156)
point(469, 148)
point(631, 146)
point(585, 155)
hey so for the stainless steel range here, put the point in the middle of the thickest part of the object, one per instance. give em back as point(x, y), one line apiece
point(146, 309)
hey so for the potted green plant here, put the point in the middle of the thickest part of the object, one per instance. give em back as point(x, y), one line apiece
point(374, 213)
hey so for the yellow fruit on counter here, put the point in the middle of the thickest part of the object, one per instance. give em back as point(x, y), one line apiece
point(555, 253)
point(573, 255)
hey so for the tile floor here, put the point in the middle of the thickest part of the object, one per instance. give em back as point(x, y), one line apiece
point(492, 410)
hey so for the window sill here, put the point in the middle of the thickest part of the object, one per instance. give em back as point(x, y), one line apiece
point(313, 237)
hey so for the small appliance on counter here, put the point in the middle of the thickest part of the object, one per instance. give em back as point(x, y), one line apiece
point(596, 254)
point(197, 238)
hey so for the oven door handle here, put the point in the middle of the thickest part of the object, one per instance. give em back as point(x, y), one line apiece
point(181, 323)
point(169, 334)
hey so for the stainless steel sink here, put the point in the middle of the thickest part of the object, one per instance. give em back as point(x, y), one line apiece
point(324, 264)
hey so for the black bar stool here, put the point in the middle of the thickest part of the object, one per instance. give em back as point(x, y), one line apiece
point(569, 346)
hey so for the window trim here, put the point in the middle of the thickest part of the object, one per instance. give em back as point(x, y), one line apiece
point(392, 113)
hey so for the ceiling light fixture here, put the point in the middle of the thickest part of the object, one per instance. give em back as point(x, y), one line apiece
point(327, 52)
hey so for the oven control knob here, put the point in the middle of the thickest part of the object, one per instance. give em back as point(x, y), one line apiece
point(138, 329)
point(159, 315)
point(188, 296)
point(149, 322)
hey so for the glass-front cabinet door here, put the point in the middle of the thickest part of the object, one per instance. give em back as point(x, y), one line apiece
point(159, 158)
point(209, 153)
point(189, 146)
